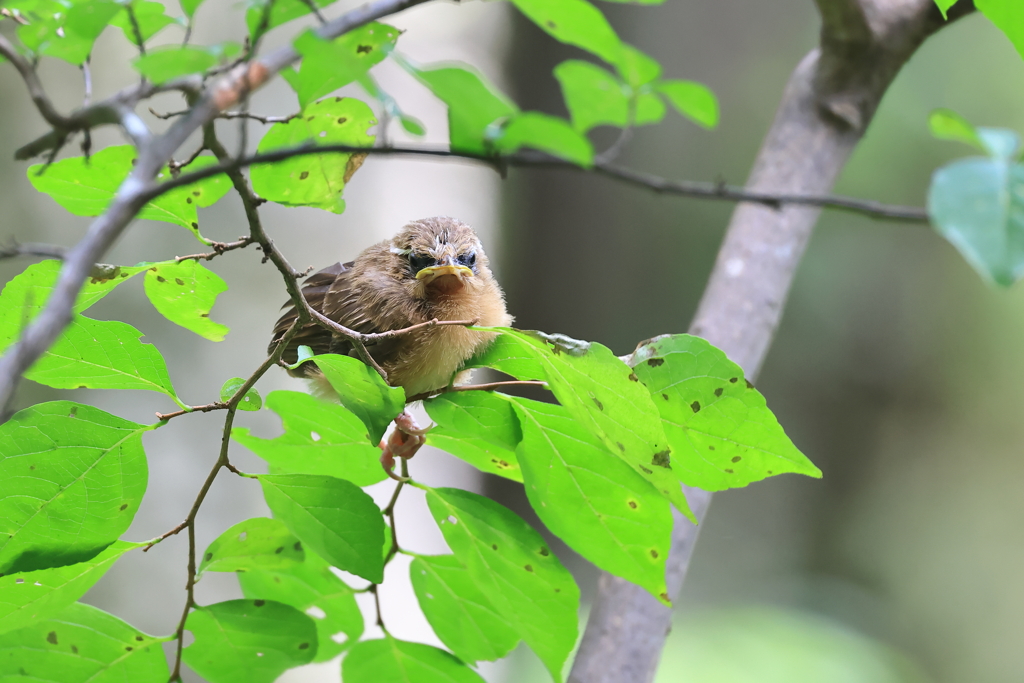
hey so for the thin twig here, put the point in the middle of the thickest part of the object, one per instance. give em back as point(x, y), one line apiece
point(315, 10)
point(15, 249)
point(231, 115)
point(218, 249)
point(217, 405)
point(136, 30)
point(87, 79)
point(488, 386)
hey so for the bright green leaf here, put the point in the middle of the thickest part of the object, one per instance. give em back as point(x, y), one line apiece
point(511, 564)
point(692, 100)
point(575, 22)
point(473, 104)
point(944, 6)
point(591, 499)
point(281, 11)
point(546, 133)
point(252, 399)
point(636, 67)
point(329, 65)
point(315, 180)
point(399, 661)
point(477, 427)
point(363, 391)
point(459, 612)
point(83, 24)
point(184, 293)
point(256, 543)
point(592, 95)
point(164, 63)
point(150, 17)
point(312, 588)
point(82, 644)
point(189, 7)
point(1007, 15)
point(649, 109)
point(319, 437)
point(478, 452)
point(720, 429)
point(73, 478)
point(248, 641)
point(331, 517)
point(27, 597)
point(946, 124)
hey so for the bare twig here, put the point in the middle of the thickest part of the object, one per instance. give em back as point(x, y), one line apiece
point(216, 405)
point(315, 10)
point(136, 30)
point(231, 115)
point(87, 83)
point(218, 249)
point(488, 386)
point(14, 249)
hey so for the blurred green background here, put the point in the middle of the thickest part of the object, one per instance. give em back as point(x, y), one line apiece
point(896, 369)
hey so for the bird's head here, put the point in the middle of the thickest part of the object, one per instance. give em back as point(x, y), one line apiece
point(439, 257)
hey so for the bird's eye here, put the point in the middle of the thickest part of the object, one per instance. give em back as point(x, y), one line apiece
point(468, 260)
point(418, 262)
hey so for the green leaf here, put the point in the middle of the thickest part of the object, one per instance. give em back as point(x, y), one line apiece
point(592, 95)
point(73, 478)
point(549, 134)
point(329, 65)
point(944, 6)
point(946, 124)
point(1007, 15)
point(473, 104)
point(399, 661)
point(601, 392)
point(28, 597)
point(507, 560)
point(478, 427)
point(319, 438)
point(575, 22)
point(636, 67)
point(83, 24)
point(251, 401)
point(459, 612)
point(82, 644)
point(649, 109)
point(506, 354)
point(281, 11)
point(248, 641)
point(189, 7)
point(721, 431)
point(591, 499)
point(692, 100)
point(332, 517)
point(312, 588)
point(163, 64)
point(184, 293)
point(315, 179)
point(257, 543)
point(978, 205)
point(361, 390)
point(150, 16)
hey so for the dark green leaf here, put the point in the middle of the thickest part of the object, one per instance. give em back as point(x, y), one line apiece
point(329, 65)
point(399, 661)
point(164, 63)
point(150, 17)
point(473, 104)
point(248, 641)
point(331, 517)
point(1008, 15)
point(592, 95)
point(721, 431)
point(312, 588)
point(27, 597)
point(82, 644)
point(252, 399)
point(692, 100)
point(73, 478)
point(319, 438)
point(510, 563)
point(946, 124)
point(547, 133)
point(257, 543)
point(314, 180)
point(591, 499)
point(636, 67)
point(361, 390)
point(575, 22)
point(459, 612)
point(184, 293)
point(477, 427)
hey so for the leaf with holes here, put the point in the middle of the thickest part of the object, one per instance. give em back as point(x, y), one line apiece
point(256, 543)
point(721, 431)
point(184, 293)
point(459, 612)
point(575, 22)
point(82, 644)
point(74, 477)
point(363, 391)
point(332, 517)
point(27, 597)
point(315, 179)
point(330, 64)
point(692, 100)
point(547, 133)
point(252, 400)
point(478, 427)
point(593, 96)
point(248, 641)
point(399, 661)
point(510, 562)
point(312, 588)
point(163, 64)
point(591, 499)
point(602, 393)
point(319, 438)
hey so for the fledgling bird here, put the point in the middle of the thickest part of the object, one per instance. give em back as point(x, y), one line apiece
point(433, 268)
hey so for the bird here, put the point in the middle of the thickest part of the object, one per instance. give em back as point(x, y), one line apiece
point(433, 268)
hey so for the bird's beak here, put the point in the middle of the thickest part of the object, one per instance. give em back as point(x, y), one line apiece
point(431, 273)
